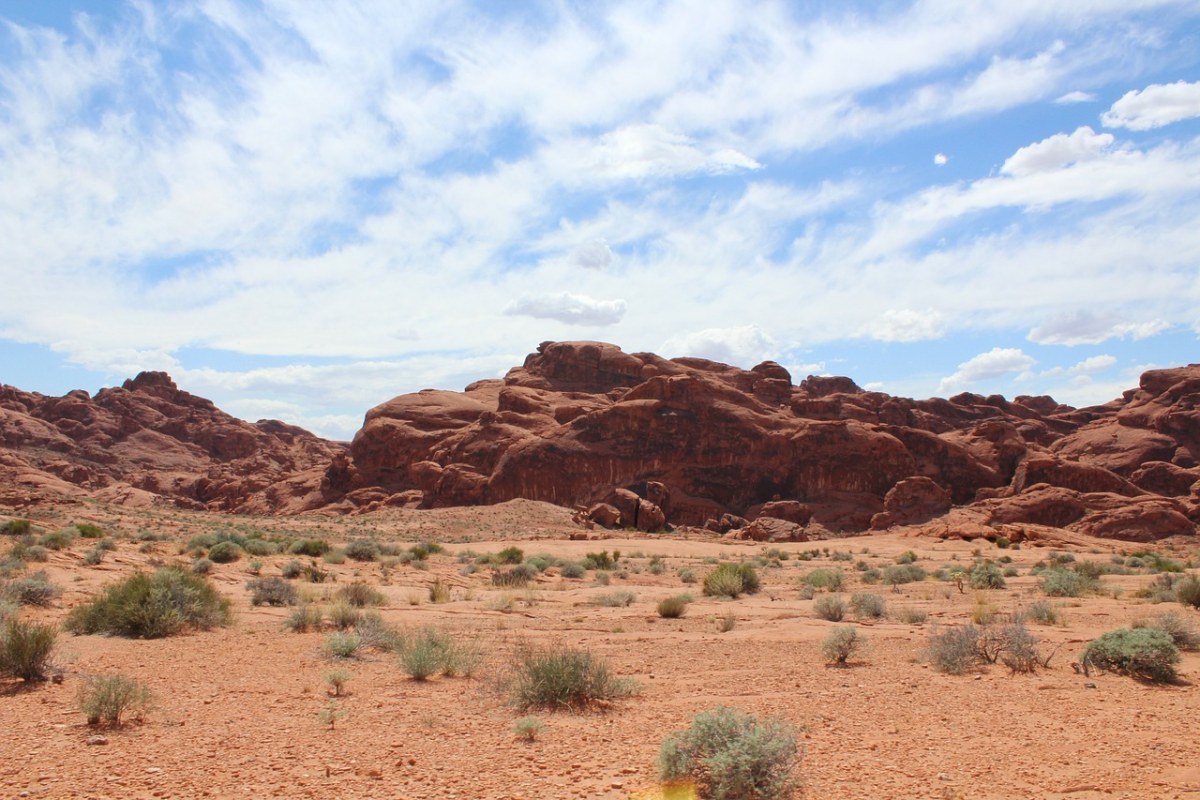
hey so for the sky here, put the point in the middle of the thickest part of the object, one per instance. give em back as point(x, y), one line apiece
point(300, 210)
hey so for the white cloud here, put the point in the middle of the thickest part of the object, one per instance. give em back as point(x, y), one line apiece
point(742, 346)
point(1155, 106)
point(1070, 98)
point(640, 151)
point(1058, 151)
point(593, 255)
point(1089, 327)
point(941, 159)
point(573, 309)
point(996, 363)
point(906, 325)
point(1092, 365)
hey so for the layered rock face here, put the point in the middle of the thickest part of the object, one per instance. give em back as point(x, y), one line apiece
point(147, 440)
point(693, 442)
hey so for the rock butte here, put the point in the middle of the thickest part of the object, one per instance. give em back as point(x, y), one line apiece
point(635, 440)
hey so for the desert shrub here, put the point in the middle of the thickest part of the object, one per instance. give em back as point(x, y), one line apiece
point(519, 575)
point(93, 557)
point(899, 574)
point(342, 615)
point(111, 699)
point(953, 650)
point(1187, 591)
point(16, 527)
point(271, 591)
point(619, 599)
point(342, 644)
point(907, 557)
point(439, 592)
point(89, 531)
point(58, 540)
point(730, 755)
point(673, 607)
point(423, 550)
point(334, 556)
point(603, 578)
point(527, 728)
point(152, 605)
point(375, 634)
point(292, 569)
point(912, 616)
point(986, 575)
point(1066, 583)
point(510, 555)
point(830, 606)
point(337, 680)
point(561, 677)
point(840, 644)
point(866, 604)
point(1017, 648)
point(360, 595)
point(254, 567)
point(8, 609)
point(202, 566)
point(313, 572)
point(429, 651)
point(572, 570)
point(305, 617)
point(1147, 654)
point(35, 552)
point(224, 552)
point(731, 580)
point(1181, 631)
point(260, 547)
point(32, 590)
point(363, 550)
point(1042, 613)
point(26, 649)
point(830, 579)
point(314, 548)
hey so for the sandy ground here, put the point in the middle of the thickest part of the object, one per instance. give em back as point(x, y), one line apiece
point(237, 709)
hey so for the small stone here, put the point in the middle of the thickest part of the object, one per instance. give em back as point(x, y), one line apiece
point(97, 739)
point(1089, 685)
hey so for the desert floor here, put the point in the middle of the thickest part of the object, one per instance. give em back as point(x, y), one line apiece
point(238, 709)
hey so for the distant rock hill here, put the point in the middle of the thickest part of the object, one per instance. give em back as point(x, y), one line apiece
point(635, 440)
point(149, 441)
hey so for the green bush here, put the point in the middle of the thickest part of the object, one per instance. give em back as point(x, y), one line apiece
point(830, 607)
point(673, 607)
point(342, 615)
point(510, 555)
point(224, 553)
point(292, 569)
point(314, 548)
point(1067, 583)
point(151, 606)
point(986, 575)
point(430, 651)
point(271, 591)
point(561, 677)
point(829, 579)
point(260, 547)
point(601, 560)
point(866, 604)
point(32, 590)
point(1042, 613)
point(520, 575)
point(731, 580)
point(363, 550)
point(26, 649)
point(840, 644)
point(110, 699)
point(89, 531)
point(342, 644)
point(360, 595)
point(202, 566)
point(58, 540)
point(729, 755)
point(1147, 654)
point(572, 570)
point(16, 527)
point(903, 573)
point(1178, 627)
point(1187, 591)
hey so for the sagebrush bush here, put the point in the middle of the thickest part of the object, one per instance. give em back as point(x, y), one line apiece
point(519, 575)
point(730, 755)
point(1067, 583)
point(1178, 627)
point(840, 644)
point(829, 579)
point(16, 527)
point(619, 599)
point(32, 590)
point(953, 650)
point(1042, 613)
point(202, 566)
point(224, 553)
point(26, 649)
point(903, 573)
point(527, 728)
point(363, 550)
point(1147, 653)
point(561, 677)
point(58, 540)
point(986, 575)
point(1187, 591)
point(510, 555)
point(272, 591)
point(111, 699)
point(342, 644)
point(314, 548)
point(292, 569)
point(672, 607)
point(830, 607)
point(152, 605)
point(439, 592)
point(342, 615)
point(866, 604)
point(306, 617)
point(360, 595)
point(731, 580)
point(572, 570)
point(912, 616)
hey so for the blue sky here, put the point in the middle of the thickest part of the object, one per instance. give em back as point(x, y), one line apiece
point(301, 212)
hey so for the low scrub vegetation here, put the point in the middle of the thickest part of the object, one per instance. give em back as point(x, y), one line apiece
point(960, 649)
point(561, 677)
point(272, 591)
point(830, 607)
point(113, 699)
point(730, 755)
point(431, 651)
point(673, 607)
point(32, 590)
point(841, 643)
point(26, 649)
point(151, 606)
point(731, 580)
point(1148, 654)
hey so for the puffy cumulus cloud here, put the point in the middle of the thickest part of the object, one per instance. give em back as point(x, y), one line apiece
point(572, 309)
point(995, 363)
point(1059, 150)
point(941, 159)
point(1092, 365)
point(1155, 106)
point(593, 255)
point(1087, 327)
point(906, 325)
point(640, 151)
point(742, 346)
point(1070, 98)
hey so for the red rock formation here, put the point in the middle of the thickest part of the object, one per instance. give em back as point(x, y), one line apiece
point(150, 436)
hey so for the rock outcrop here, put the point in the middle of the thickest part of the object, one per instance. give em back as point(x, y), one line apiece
point(148, 441)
